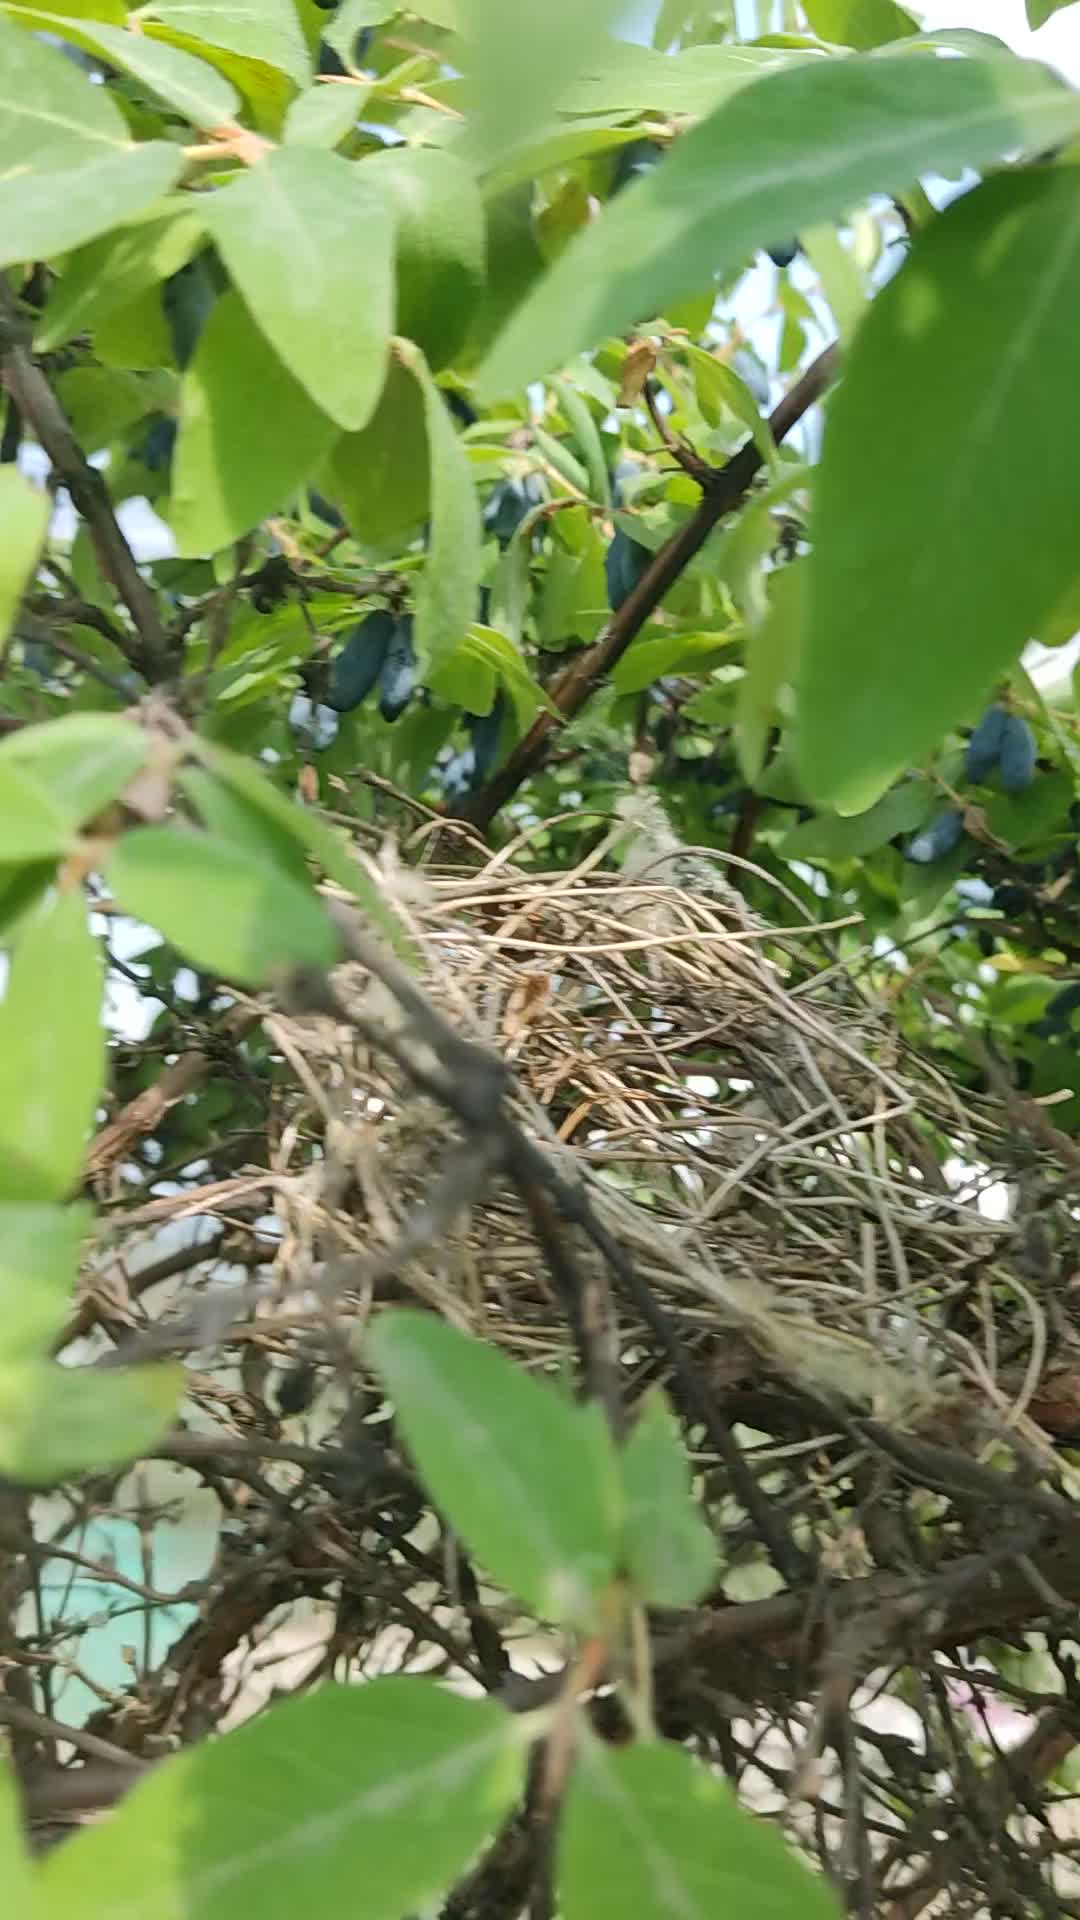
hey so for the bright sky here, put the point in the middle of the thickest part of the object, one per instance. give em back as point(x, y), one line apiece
point(1058, 42)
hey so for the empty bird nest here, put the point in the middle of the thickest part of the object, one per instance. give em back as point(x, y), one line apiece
point(609, 1121)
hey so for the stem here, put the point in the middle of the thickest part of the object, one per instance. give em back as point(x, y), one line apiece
point(33, 397)
point(578, 681)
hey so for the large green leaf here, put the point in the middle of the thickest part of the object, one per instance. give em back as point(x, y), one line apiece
point(32, 826)
point(649, 1831)
point(52, 1052)
point(268, 32)
point(527, 1478)
point(47, 210)
point(309, 245)
point(353, 1803)
point(190, 86)
point(17, 1876)
point(446, 596)
point(51, 115)
point(249, 433)
point(323, 115)
point(438, 248)
point(68, 168)
point(39, 1257)
point(631, 79)
point(667, 1548)
point(83, 760)
point(222, 908)
point(230, 816)
point(859, 23)
point(24, 512)
point(381, 476)
point(55, 1421)
point(518, 61)
point(791, 150)
point(966, 362)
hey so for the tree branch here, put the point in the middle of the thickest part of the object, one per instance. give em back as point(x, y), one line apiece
point(578, 681)
point(34, 399)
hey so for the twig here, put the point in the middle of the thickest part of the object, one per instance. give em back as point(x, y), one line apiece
point(34, 398)
point(12, 1715)
point(683, 455)
point(40, 633)
point(578, 681)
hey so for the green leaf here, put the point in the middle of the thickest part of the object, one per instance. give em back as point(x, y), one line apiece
point(102, 403)
point(771, 656)
point(82, 760)
point(230, 816)
point(720, 390)
point(328, 316)
point(17, 1874)
point(183, 82)
point(110, 272)
point(587, 434)
point(842, 283)
point(491, 654)
point(859, 23)
point(529, 1480)
point(55, 1421)
point(323, 115)
point(350, 18)
point(249, 434)
point(52, 1052)
point(310, 831)
point(574, 603)
point(68, 168)
point(269, 32)
point(439, 245)
point(667, 1548)
point(1040, 11)
point(792, 150)
point(836, 837)
point(519, 62)
point(381, 476)
point(24, 513)
point(1023, 819)
point(225, 911)
point(366, 1800)
point(967, 350)
point(647, 660)
point(51, 115)
point(43, 213)
point(32, 827)
point(632, 79)
point(647, 1830)
point(39, 1259)
point(446, 596)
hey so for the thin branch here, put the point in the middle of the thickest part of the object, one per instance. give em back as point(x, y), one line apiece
point(41, 635)
point(579, 680)
point(34, 398)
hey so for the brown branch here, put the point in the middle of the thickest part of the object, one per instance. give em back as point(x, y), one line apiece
point(38, 406)
point(144, 1114)
point(579, 680)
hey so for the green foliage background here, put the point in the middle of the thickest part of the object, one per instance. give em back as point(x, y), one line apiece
point(509, 456)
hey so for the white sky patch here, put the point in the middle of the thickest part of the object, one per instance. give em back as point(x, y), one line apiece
point(1058, 42)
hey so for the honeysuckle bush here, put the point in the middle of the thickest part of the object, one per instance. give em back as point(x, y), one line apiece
point(520, 411)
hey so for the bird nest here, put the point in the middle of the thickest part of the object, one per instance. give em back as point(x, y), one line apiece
point(608, 1119)
point(735, 1133)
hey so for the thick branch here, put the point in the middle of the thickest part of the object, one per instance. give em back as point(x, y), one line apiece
point(579, 680)
point(35, 401)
